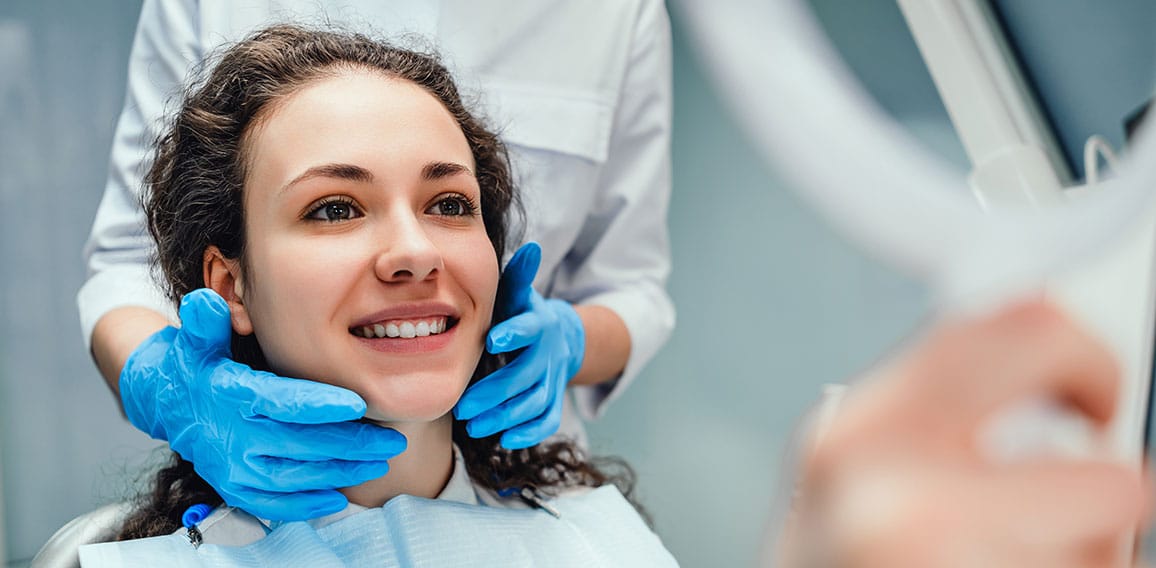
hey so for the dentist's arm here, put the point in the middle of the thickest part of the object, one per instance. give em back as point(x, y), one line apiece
point(117, 334)
point(607, 345)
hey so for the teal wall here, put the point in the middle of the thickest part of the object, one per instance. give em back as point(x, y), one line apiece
point(1090, 62)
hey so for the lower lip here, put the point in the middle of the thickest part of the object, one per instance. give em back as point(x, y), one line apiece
point(413, 345)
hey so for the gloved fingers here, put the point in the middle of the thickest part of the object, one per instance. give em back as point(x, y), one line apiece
point(286, 506)
point(347, 441)
point(526, 370)
point(535, 431)
point(517, 280)
point(515, 333)
point(206, 325)
point(522, 408)
point(284, 399)
point(265, 473)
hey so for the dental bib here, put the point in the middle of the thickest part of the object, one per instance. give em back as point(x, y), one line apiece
point(595, 528)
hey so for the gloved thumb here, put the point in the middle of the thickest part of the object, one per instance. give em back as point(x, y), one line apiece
point(205, 322)
point(517, 280)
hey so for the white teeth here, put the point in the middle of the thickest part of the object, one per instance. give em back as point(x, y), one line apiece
point(403, 329)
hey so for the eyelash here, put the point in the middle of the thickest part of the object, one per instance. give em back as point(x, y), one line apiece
point(321, 205)
point(470, 208)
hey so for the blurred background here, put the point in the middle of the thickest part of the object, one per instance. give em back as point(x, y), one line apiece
point(771, 303)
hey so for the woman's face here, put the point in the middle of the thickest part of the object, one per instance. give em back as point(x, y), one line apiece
point(367, 261)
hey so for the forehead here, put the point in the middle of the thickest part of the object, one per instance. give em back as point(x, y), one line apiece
point(352, 114)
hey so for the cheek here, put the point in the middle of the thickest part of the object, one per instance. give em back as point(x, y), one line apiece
point(291, 302)
point(483, 280)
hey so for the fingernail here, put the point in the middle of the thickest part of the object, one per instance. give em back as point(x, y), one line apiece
point(462, 412)
point(328, 506)
point(514, 443)
point(374, 471)
point(478, 429)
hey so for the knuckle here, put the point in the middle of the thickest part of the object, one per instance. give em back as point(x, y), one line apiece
point(553, 420)
point(541, 398)
point(1034, 314)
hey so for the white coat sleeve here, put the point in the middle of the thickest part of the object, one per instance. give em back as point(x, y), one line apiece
point(119, 249)
point(621, 258)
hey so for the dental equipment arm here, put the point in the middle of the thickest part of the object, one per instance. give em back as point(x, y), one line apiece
point(274, 446)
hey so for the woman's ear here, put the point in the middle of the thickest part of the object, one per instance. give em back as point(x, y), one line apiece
point(223, 276)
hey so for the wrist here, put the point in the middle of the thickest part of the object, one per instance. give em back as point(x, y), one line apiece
point(140, 391)
point(117, 335)
point(605, 345)
point(574, 335)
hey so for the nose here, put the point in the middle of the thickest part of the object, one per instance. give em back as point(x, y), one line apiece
point(407, 253)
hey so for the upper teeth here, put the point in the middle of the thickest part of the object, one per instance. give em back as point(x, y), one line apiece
point(405, 329)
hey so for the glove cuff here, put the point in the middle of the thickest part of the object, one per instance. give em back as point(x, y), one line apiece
point(574, 333)
point(140, 396)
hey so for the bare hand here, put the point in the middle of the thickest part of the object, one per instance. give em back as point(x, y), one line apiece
point(898, 480)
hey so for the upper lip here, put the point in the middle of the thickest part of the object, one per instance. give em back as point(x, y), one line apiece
point(417, 310)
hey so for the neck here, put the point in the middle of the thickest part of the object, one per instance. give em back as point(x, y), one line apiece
point(422, 470)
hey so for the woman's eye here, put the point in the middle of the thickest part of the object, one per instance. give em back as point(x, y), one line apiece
point(333, 211)
point(456, 206)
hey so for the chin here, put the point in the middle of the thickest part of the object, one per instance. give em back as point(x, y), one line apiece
point(426, 403)
point(409, 415)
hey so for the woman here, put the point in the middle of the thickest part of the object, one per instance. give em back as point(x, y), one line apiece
point(349, 213)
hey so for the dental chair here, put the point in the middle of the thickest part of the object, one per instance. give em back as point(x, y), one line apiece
point(63, 549)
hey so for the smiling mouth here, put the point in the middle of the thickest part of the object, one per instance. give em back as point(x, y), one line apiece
point(404, 328)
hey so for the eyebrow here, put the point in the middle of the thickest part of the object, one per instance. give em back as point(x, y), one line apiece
point(438, 170)
point(431, 172)
point(339, 171)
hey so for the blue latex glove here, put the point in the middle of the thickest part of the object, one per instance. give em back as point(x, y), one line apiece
point(524, 398)
point(274, 446)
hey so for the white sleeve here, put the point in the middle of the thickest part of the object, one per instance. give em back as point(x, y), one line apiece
point(119, 250)
point(621, 258)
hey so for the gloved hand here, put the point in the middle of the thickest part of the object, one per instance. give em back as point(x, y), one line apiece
point(524, 398)
point(274, 446)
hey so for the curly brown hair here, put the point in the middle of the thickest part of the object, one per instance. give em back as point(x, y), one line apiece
point(193, 200)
